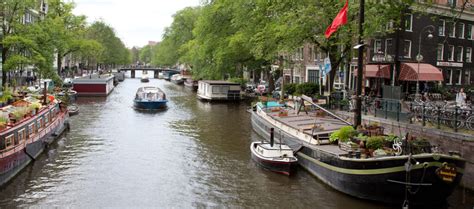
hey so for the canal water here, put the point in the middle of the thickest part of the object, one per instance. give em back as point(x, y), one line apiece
point(194, 154)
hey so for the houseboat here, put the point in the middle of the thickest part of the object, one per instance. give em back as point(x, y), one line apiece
point(218, 90)
point(150, 98)
point(94, 85)
point(191, 84)
point(423, 178)
point(26, 128)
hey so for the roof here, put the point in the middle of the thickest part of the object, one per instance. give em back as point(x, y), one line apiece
point(420, 72)
point(213, 82)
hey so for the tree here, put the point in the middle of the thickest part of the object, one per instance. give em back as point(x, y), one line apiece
point(114, 51)
point(12, 13)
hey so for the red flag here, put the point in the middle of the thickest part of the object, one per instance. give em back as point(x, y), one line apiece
point(341, 19)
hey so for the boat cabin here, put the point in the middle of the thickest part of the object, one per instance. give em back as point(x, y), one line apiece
point(218, 90)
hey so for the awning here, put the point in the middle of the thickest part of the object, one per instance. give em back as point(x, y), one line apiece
point(372, 71)
point(425, 72)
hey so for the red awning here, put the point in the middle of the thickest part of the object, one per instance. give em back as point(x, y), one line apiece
point(372, 71)
point(425, 72)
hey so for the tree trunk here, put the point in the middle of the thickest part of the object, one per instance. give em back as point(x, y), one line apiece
point(59, 63)
point(4, 73)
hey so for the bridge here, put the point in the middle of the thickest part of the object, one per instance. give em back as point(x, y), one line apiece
point(155, 70)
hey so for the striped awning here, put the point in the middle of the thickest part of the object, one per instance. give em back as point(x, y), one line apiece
point(420, 72)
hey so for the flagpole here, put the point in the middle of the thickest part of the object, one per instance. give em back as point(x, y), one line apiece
point(358, 115)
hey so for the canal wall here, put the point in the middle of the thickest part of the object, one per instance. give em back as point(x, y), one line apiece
point(446, 140)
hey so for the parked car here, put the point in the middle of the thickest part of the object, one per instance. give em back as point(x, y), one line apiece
point(262, 89)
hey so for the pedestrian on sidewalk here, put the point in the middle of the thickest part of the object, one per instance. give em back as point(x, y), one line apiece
point(461, 98)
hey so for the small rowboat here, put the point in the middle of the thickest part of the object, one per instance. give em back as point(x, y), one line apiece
point(73, 109)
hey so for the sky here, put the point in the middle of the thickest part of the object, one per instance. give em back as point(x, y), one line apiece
point(135, 21)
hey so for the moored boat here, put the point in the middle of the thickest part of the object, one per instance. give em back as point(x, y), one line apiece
point(427, 178)
point(144, 78)
point(69, 93)
point(274, 157)
point(150, 98)
point(211, 90)
point(24, 137)
point(177, 79)
point(73, 109)
point(191, 84)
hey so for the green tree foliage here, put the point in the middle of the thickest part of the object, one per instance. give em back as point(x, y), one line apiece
point(114, 51)
point(145, 54)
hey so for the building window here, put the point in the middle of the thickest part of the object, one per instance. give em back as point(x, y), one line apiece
point(377, 46)
point(448, 77)
point(452, 3)
point(313, 76)
point(441, 26)
point(408, 22)
point(407, 49)
point(389, 26)
point(451, 29)
point(460, 30)
point(456, 77)
point(459, 53)
point(469, 31)
point(450, 53)
point(388, 46)
point(468, 54)
point(439, 52)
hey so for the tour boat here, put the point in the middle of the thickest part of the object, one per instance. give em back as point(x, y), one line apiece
point(191, 84)
point(23, 139)
point(168, 73)
point(150, 98)
point(274, 157)
point(144, 78)
point(425, 178)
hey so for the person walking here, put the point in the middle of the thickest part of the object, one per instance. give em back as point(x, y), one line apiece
point(461, 98)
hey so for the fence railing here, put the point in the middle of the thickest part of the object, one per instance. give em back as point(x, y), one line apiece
point(438, 114)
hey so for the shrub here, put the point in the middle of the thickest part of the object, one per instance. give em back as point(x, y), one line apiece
point(290, 88)
point(343, 134)
point(308, 89)
point(375, 142)
point(240, 81)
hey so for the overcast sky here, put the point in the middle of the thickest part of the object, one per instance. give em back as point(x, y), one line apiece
point(135, 21)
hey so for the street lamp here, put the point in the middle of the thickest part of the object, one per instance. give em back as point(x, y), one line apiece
point(419, 57)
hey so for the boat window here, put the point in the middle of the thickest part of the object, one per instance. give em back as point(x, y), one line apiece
point(46, 118)
point(39, 123)
point(21, 135)
point(2, 144)
point(31, 129)
point(9, 140)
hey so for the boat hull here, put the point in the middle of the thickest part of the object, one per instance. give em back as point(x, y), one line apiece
point(150, 105)
point(286, 168)
point(12, 163)
point(192, 86)
point(373, 179)
point(178, 82)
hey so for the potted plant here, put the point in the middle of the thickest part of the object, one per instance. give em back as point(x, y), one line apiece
point(343, 134)
point(36, 106)
point(374, 143)
point(3, 122)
